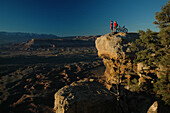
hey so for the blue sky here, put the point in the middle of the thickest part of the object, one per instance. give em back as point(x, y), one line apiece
point(77, 17)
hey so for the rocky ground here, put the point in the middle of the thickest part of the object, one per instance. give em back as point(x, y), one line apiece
point(29, 78)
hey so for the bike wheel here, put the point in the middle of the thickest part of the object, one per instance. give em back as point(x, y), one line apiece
point(125, 30)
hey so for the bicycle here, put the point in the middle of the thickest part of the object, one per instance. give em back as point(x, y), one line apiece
point(122, 29)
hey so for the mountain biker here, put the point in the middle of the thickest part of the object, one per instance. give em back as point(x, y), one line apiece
point(111, 26)
point(115, 26)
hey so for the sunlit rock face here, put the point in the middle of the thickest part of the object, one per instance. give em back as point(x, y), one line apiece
point(115, 51)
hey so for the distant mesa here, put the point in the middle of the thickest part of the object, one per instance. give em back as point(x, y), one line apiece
point(45, 40)
point(77, 41)
point(18, 37)
point(46, 43)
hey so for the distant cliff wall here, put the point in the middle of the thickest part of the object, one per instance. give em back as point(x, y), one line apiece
point(60, 43)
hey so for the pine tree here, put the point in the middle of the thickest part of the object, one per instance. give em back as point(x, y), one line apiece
point(153, 50)
point(162, 86)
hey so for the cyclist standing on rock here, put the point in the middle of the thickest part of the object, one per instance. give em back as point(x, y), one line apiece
point(111, 26)
point(115, 26)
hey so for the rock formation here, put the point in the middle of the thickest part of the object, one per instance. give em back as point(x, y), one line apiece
point(116, 54)
point(87, 96)
point(90, 96)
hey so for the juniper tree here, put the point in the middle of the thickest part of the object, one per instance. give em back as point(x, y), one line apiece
point(162, 86)
point(153, 50)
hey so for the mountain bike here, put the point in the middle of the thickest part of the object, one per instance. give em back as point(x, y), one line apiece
point(122, 29)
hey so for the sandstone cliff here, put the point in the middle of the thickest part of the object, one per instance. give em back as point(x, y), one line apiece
point(116, 54)
point(89, 96)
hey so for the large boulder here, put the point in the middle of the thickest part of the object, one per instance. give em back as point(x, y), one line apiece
point(87, 96)
point(111, 44)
